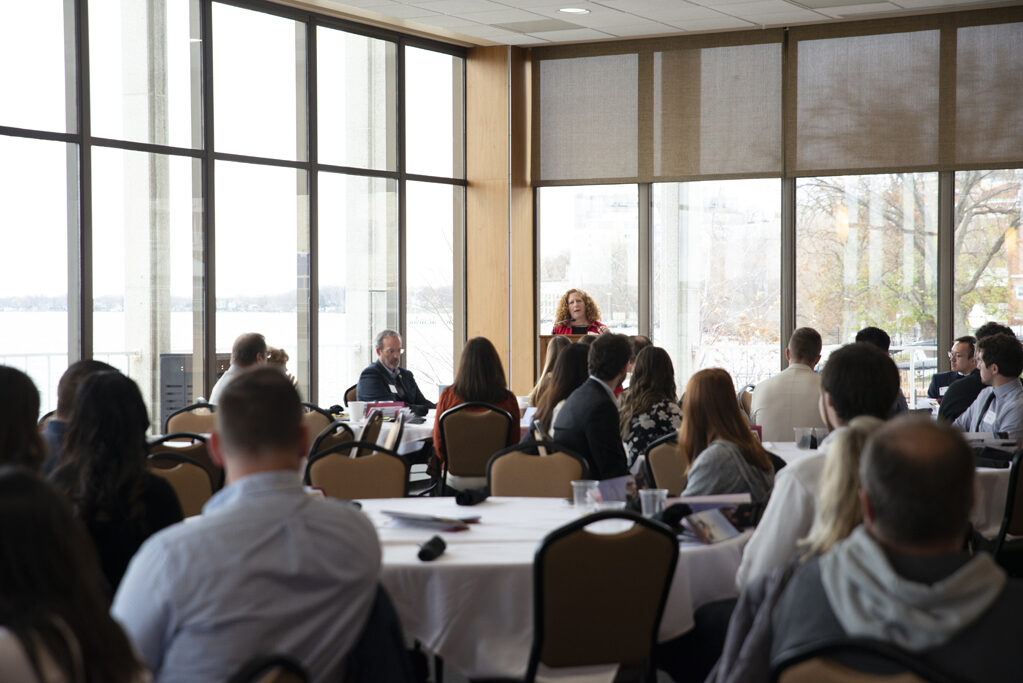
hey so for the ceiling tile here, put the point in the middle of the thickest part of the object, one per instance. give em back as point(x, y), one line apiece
point(858, 10)
point(683, 13)
point(536, 26)
point(650, 28)
point(502, 16)
point(714, 24)
point(448, 22)
point(757, 7)
point(575, 35)
point(405, 12)
point(458, 7)
point(363, 4)
point(524, 40)
point(928, 4)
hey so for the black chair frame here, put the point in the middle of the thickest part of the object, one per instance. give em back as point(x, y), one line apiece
point(512, 422)
point(187, 409)
point(365, 448)
point(894, 659)
point(313, 408)
point(344, 398)
point(1010, 504)
point(571, 527)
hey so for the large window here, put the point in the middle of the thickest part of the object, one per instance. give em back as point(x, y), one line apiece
point(237, 163)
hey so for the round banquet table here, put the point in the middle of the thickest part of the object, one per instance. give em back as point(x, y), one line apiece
point(474, 604)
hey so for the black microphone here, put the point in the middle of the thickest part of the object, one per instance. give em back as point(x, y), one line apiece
point(566, 320)
point(432, 549)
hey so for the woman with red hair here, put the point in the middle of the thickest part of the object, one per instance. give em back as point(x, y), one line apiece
point(577, 313)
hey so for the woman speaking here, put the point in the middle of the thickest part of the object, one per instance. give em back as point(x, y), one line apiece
point(577, 314)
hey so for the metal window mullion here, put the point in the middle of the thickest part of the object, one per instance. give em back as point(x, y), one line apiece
point(788, 265)
point(646, 281)
point(946, 265)
point(312, 207)
point(82, 274)
point(208, 203)
point(402, 192)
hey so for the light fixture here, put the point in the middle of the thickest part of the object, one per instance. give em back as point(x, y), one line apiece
point(574, 10)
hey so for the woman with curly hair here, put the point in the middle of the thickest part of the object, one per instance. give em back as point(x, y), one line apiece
point(103, 472)
point(721, 453)
point(577, 313)
point(20, 442)
point(649, 408)
point(54, 619)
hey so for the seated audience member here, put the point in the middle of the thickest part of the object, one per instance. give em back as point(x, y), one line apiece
point(962, 362)
point(265, 568)
point(384, 380)
point(20, 443)
point(577, 313)
point(103, 472)
point(55, 428)
point(649, 408)
point(721, 452)
point(961, 394)
point(789, 399)
point(902, 578)
point(858, 379)
point(569, 373)
point(880, 339)
point(480, 377)
point(588, 422)
point(999, 407)
point(554, 348)
point(54, 619)
point(637, 343)
point(248, 351)
point(278, 358)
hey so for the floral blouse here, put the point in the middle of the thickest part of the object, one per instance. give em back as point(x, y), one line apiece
point(663, 417)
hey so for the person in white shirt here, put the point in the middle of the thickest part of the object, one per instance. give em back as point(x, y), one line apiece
point(858, 379)
point(249, 350)
point(789, 399)
point(999, 407)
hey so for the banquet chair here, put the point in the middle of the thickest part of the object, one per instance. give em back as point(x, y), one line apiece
point(517, 471)
point(46, 418)
point(540, 435)
point(853, 660)
point(370, 431)
point(470, 433)
point(572, 625)
point(274, 668)
point(190, 480)
point(196, 418)
point(333, 434)
point(197, 449)
point(315, 417)
point(665, 466)
point(1012, 521)
point(350, 394)
point(745, 397)
point(393, 438)
point(377, 472)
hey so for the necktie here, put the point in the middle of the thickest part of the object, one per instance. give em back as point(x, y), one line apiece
point(402, 394)
point(988, 404)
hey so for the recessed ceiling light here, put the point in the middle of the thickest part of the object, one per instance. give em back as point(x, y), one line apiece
point(574, 10)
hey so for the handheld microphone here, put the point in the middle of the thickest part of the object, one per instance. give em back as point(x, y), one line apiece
point(432, 549)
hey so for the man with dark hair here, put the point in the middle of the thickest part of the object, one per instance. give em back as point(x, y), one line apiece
point(789, 399)
point(67, 387)
point(588, 422)
point(962, 362)
point(880, 339)
point(265, 568)
point(902, 577)
point(385, 380)
point(961, 394)
point(999, 407)
point(248, 351)
point(858, 379)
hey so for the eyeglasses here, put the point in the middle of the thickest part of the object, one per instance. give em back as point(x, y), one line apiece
point(960, 356)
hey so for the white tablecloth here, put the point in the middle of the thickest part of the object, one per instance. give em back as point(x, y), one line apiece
point(474, 604)
point(991, 487)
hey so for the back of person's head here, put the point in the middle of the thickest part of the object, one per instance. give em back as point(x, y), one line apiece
point(587, 340)
point(378, 342)
point(637, 343)
point(50, 586)
point(105, 444)
point(20, 443)
point(838, 503)
point(710, 411)
point(875, 336)
point(653, 380)
point(805, 345)
point(480, 375)
point(555, 346)
point(568, 374)
point(259, 412)
point(861, 379)
point(247, 349)
point(609, 354)
point(72, 378)
point(918, 477)
point(277, 357)
point(991, 327)
point(1002, 350)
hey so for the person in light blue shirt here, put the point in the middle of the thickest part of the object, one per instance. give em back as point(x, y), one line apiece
point(999, 407)
point(265, 569)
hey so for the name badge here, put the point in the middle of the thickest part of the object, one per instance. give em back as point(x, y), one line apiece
point(942, 390)
point(989, 417)
point(394, 389)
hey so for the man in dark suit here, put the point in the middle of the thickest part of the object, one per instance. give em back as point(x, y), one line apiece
point(588, 421)
point(384, 380)
point(962, 362)
point(961, 394)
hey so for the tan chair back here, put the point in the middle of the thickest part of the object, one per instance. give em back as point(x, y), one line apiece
point(196, 421)
point(379, 474)
point(335, 433)
point(393, 438)
point(350, 394)
point(370, 432)
point(190, 480)
point(315, 421)
point(198, 451)
point(540, 476)
point(636, 567)
point(471, 436)
point(824, 670)
point(667, 467)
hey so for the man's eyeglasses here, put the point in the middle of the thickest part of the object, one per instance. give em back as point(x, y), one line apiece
point(960, 356)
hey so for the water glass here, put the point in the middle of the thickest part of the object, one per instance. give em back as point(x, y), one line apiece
point(580, 492)
point(652, 501)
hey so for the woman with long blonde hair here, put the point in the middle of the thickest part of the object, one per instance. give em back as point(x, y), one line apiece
point(554, 348)
point(838, 503)
point(721, 453)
